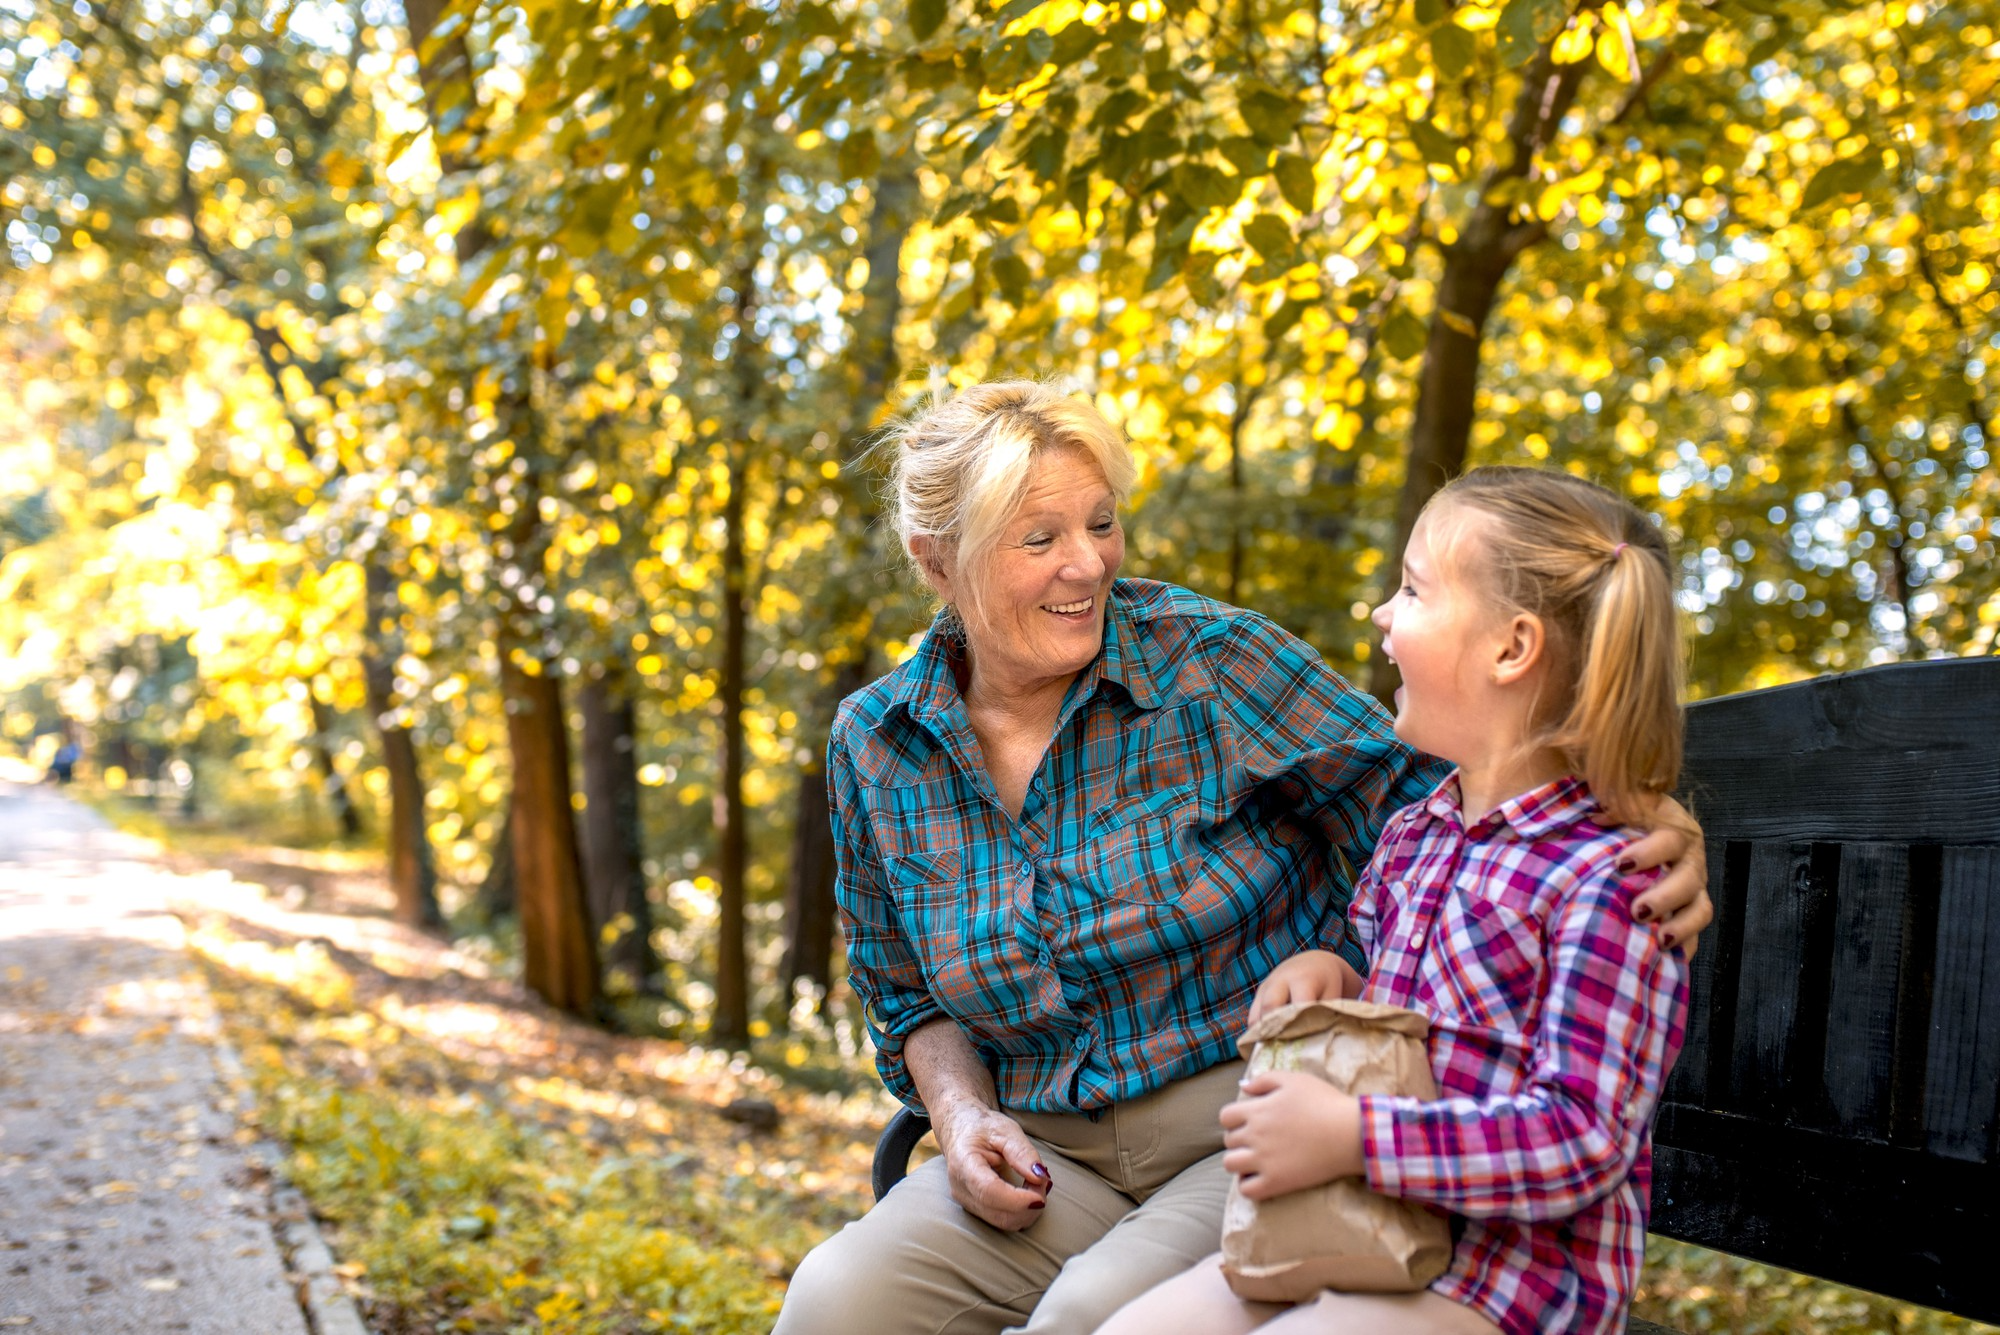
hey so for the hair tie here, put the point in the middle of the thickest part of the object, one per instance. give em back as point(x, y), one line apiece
point(1619, 548)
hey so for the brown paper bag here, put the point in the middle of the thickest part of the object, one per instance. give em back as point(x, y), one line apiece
point(1340, 1235)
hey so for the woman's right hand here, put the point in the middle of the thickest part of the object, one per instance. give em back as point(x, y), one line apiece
point(1312, 975)
point(985, 1153)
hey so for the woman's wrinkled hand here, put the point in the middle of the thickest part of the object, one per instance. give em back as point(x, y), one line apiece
point(1679, 901)
point(996, 1172)
point(1312, 975)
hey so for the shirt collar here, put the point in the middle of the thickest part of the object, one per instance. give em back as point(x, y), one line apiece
point(1553, 806)
point(928, 685)
point(1124, 658)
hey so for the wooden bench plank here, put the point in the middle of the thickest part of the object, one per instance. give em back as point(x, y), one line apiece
point(1869, 956)
point(1783, 983)
point(1896, 754)
point(1880, 1217)
point(1962, 1085)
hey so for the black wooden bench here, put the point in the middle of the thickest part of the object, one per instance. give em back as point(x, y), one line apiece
point(1836, 1107)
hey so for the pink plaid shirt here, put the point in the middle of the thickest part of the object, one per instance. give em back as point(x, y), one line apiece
point(1554, 1021)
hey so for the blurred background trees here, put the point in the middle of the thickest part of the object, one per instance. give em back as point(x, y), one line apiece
point(442, 427)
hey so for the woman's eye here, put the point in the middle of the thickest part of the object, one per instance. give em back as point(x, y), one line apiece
point(1035, 540)
point(1104, 526)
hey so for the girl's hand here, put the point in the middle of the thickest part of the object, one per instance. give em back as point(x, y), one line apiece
point(1679, 902)
point(985, 1152)
point(1312, 975)
point(1290, 1131)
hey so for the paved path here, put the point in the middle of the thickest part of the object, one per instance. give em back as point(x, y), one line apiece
point(126, 1204)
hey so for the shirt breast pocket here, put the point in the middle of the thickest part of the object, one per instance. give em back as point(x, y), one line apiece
point(1492, 965)
point(1143, 851)
point(928, 889)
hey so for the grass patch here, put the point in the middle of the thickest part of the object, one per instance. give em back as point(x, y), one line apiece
point(484, 1165)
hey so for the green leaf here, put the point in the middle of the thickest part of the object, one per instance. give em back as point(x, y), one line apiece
point(1269, 115)
point(1205, 187)
point(1044, 155)
point(926, 17)
point(1778, 39)
point(1272, 236)
point(1006, 211)
point(1453, 50)
point(1076, 41)
point(1041, 46)
point(1249, 157)
point(955, 205)
point(1295, 181)
point(1431, 11)
point(1842, 177)
point(1522, 24)
point(1012, 276)
point(859, 156)
point(1404, 335)
point(1012, 10)
point(1436, 146)
point(1283, 319)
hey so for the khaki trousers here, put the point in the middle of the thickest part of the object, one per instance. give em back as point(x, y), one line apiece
point(1199, 1302)
point(1135, 1199)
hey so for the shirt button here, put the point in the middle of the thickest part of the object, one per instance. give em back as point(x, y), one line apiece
point(1417, 941)
point(1080, 1042)
point(1027, 871)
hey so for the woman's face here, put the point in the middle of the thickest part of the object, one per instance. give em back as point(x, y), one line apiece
point(1039, 613)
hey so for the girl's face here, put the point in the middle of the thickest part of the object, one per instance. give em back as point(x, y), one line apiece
point(1441, 634)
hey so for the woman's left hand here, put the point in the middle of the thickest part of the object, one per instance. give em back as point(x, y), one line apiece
point(1679, 901)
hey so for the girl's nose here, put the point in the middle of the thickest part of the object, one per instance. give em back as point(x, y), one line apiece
point(1380, 616)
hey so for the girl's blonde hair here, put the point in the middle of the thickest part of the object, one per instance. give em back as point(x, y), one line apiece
point(1598, 574)
point(959, 465)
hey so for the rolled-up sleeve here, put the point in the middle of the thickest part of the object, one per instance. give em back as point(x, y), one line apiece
point(883, 971)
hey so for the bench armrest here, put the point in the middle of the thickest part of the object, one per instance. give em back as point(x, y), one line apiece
point(892, 1151)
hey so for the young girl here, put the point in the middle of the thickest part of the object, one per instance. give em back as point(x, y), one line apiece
point(1536, 637)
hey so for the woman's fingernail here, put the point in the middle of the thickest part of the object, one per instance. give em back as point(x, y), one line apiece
point(1037, 1205)
point(1041, 1172)
point(1627, 865)
point(1668, 939)
point(1644, 913)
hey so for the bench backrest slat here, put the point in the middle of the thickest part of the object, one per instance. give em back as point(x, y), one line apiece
point(1834, 1109)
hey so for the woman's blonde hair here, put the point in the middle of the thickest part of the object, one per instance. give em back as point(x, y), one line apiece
point(959, 464)
point(1598, 574)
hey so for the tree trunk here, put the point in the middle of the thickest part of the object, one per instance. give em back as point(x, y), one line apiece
point(412, 874)
point(499, 894)
point(731, 1026)
point(331, 781)
point(613, 874)
point(809, 906)
point(1475, 266)
point(561, 965)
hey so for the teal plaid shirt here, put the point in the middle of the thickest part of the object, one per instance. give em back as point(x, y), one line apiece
point(1176, 844)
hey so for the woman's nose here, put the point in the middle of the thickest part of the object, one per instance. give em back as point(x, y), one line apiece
point(1085, 562)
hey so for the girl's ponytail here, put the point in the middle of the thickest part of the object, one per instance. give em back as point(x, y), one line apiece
point(1598, 574)
point(1624, 728)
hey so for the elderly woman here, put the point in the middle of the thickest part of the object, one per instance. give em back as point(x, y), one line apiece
point(1076, 831)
